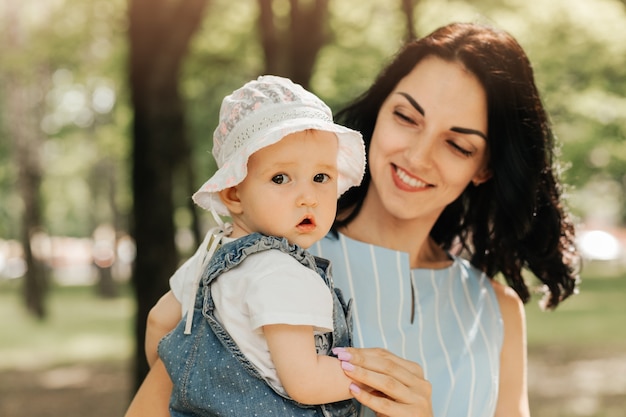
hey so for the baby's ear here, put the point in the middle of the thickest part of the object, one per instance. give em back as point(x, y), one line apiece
point(230, 198)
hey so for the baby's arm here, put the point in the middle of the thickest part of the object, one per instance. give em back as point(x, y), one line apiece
point(153, 397)
point(307, 377)
point(163, 317)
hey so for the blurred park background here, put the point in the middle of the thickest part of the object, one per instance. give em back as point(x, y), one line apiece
point(107, 108)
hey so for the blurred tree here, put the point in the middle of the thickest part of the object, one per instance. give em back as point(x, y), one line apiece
point(291, 47)
point(333, 47)
point(408, 8)
point(24, 106)
point(160, 32)
point(582, 82)
point(59, 73)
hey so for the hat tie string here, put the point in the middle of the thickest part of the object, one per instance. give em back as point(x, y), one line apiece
point(212, 242)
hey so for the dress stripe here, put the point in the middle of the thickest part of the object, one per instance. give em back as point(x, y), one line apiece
point(401, 277)
point(379, 313)
point(465, 332)
point(456, 334)
point(438, 328)
point(420, 326)
point(355, 304)
point(444, 349)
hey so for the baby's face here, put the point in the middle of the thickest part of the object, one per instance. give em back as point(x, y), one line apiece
point(291, 188)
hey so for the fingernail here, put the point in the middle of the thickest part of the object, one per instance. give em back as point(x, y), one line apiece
point(355, 388)
point(347, 366)
point(336, 350)
point(344, 356)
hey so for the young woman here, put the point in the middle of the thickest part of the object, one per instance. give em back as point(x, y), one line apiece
point(460, 188)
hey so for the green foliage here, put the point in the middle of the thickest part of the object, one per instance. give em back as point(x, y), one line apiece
point(71, 53)
point(579, 52)
point(76, 50)
point(224, 54)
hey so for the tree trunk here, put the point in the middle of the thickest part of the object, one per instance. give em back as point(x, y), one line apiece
point(270, 40)
point(408, 8)
point(35, 283)
point(24, 107)
point(292, 51)
point(160, 32)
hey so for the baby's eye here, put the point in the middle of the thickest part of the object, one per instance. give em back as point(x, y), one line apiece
point(321, 178)
point(280, 178)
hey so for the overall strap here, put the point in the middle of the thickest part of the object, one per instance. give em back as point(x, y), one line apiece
point(231, 254)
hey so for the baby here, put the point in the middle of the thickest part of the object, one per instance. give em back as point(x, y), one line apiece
point(262, 315)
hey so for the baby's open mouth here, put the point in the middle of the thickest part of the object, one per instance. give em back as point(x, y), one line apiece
point(307, 224)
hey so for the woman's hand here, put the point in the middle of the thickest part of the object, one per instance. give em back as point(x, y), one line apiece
point(397, 386)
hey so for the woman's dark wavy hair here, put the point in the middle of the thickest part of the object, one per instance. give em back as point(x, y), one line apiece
point(516, 219)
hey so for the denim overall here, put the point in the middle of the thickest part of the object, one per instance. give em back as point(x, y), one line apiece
point(211, 375)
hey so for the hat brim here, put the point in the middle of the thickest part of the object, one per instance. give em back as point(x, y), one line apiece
point(350, 160)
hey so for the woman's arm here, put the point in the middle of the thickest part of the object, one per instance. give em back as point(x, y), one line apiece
point(513, 392)
point(152, 398)
point(162, 318)
point(398, 385)
point(307, 377)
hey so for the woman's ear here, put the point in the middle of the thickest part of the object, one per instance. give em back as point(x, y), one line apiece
point(483, 175)
point(230, 198)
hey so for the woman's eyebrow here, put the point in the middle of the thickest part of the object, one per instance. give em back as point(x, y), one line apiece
point(468, 131)
point(421, 110)
point(413, 103)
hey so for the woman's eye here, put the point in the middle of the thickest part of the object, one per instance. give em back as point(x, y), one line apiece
point(403, 117)
point(460, 149)
point(280, 179)
point(321, 178)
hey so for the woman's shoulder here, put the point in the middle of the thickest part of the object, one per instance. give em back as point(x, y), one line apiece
point(511, 306)
point(508, 300)
point(468, 270)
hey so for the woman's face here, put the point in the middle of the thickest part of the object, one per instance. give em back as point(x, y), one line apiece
point(429, 143)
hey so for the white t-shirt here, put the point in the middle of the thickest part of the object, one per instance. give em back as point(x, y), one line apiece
point(269, 287)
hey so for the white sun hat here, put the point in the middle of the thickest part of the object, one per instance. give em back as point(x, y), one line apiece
point(260, 114)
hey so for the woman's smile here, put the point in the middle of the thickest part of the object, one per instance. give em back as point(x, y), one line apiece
point(407, 181)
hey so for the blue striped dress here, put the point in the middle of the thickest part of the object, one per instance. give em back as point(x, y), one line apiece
point(447, 320)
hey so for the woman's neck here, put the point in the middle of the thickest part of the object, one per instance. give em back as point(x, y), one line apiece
point(410, 236)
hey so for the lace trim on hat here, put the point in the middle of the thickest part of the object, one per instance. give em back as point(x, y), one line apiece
point(241, 135)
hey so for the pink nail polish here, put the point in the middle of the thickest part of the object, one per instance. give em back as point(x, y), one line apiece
point(355, 388)
point(336, 350)
point(344, 356)
point(347, 366)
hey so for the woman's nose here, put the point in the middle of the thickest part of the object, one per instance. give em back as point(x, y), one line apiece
point(420, 151)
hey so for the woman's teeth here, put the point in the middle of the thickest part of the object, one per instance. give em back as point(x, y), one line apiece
point(410, 181)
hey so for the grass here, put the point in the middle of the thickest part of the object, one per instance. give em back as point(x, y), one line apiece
point(576, 353)
point(80, 326)
point(579, 346)
point(594, 317)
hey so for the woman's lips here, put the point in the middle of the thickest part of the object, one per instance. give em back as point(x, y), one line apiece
point(405, 181)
